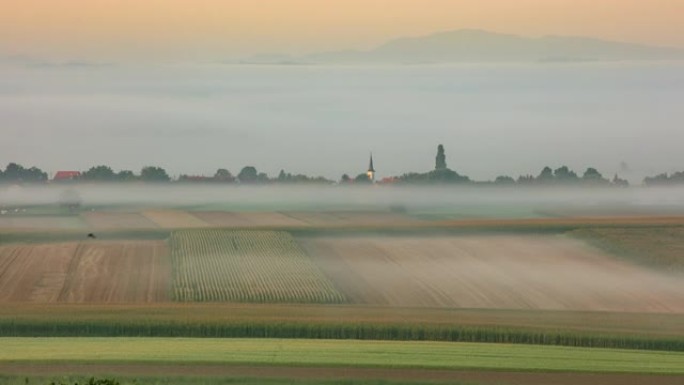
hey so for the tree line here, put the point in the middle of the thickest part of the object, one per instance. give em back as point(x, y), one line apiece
point(15, 173)
point(441, 174)
point(562, 176)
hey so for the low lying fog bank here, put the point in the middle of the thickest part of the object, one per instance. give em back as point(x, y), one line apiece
point(465, 200)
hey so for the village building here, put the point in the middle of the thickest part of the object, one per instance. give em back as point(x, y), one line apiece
point(371, 170)
point(66, 176)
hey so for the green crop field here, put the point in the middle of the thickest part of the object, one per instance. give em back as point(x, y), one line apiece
point(661, 247)
point(303, 352)
point(245, 266)
point(589, 329)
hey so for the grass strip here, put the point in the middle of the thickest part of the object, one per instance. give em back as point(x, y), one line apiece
point(339, 353)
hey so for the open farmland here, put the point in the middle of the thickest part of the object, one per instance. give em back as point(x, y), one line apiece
point(174, 219)
point(352, 218)
point(113, 220)
point(247, 219)
point(661, 247)
point(248, 266)
point(64, 222)
point(126, 271)
point(497, 272)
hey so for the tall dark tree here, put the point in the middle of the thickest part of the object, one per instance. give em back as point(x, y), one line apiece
point(440, 159)
point(565, 175)
point(14, 172)
point(17, 173)
point(345, 178)
point(546, 175)
point(593, 176)
point(248, 174)
point(125, 176)
point(154, 174)
point(262, 177)
point(100, 174)
point(223, 175)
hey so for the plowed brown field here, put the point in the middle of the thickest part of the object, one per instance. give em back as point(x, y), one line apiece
point(85, 272)
point(502, 272)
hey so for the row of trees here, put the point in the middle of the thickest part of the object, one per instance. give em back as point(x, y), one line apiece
point(250, 174)
point(563, 176)
point(676, 178)
point(15, 173)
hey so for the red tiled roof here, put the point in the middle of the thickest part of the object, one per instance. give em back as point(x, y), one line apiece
point(65, 175)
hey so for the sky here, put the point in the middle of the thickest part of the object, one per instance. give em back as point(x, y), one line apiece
point(162, 97)
point(187, 30)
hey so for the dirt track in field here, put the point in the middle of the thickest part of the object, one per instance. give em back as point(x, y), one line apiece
point(498, 272)
point(312, 373)
point(103, 272)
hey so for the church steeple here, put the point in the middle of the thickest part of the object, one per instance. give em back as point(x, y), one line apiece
point(371, 169)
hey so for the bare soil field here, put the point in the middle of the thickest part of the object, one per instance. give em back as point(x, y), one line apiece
point(247, 219)
point(85, 272)
point(174, 219)
point(497, 272)
point(474, 377)
point(112, 220)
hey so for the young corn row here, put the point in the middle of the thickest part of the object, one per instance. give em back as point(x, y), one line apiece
point(356, 331)
point(245, 266)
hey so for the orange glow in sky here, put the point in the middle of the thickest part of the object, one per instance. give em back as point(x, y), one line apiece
point(158, 29)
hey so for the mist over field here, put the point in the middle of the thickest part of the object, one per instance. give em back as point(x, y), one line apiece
point(493, 119)
point(445, 202)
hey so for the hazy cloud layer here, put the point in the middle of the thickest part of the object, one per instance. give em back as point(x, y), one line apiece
point(507, 119)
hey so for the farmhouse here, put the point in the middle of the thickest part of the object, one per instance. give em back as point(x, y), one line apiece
point(66, 176)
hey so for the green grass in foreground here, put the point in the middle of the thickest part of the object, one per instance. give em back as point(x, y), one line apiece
point(147, 380)
point(391, 354)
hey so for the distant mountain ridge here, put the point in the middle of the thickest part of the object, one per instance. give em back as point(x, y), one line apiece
point(471, 45)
